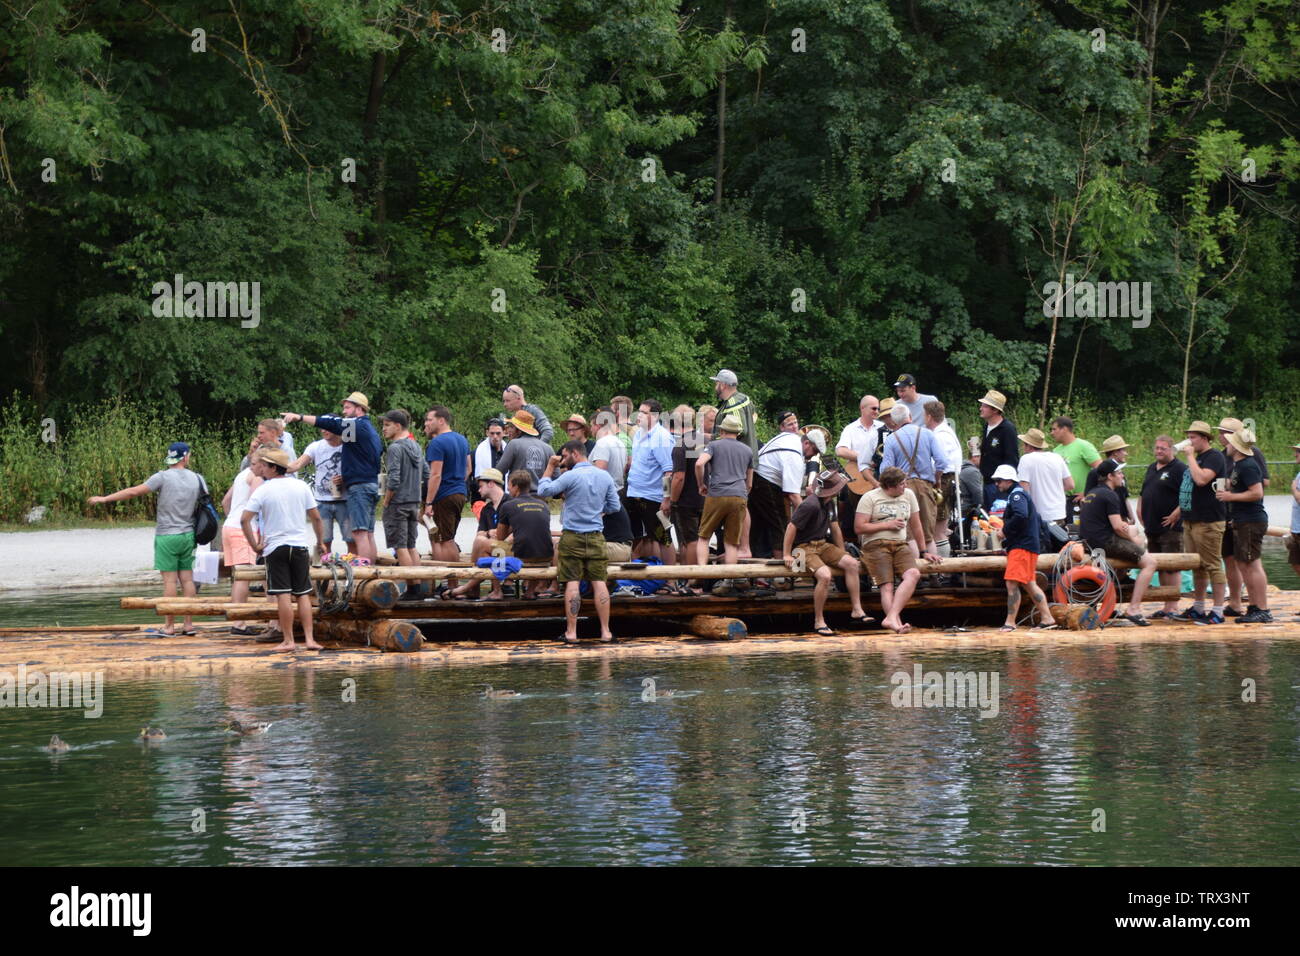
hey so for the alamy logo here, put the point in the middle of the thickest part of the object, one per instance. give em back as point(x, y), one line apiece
point(953, 689)
point(1099, 300)
point(103, 909)
point(82, 689)
point(179, 299)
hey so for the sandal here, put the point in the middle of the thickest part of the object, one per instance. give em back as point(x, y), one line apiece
point(823, 631)
point(1006, 628)
point(158, 632)
point(190, 631)
point(547, 595)
point(1046, 627)
point(243, 630)
point(864, 618)
point(1137, 619)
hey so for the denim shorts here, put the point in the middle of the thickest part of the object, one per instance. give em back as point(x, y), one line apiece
point(362, 499)
point(335, 512)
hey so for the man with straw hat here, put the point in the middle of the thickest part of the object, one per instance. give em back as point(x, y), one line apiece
point(1203, 522)
point(1045, 476)
point(492, 492)
point(1244, 496)
point(1115, 449)
point(577, 428)
point(1226, 427)
point(999, 445)
point(525, 449)
point(813, 529)
point(359, 469)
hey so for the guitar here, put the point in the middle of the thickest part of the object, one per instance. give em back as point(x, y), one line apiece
point(859, 483)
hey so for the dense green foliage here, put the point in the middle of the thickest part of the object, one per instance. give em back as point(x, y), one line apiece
point(528, 170)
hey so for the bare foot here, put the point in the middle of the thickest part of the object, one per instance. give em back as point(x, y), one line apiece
point(607, 637)
point(284, 647)
point(894, 624)
point(313, 646)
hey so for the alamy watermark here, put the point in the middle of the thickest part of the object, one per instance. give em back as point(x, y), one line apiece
point(1099, 300)
point(953, 689)
point(79, 689)
point(179, 299)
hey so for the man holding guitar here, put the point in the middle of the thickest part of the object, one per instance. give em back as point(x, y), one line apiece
point(856, 448)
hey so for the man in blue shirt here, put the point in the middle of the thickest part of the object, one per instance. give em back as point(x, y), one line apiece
point(359, 469)
point(913, 450)
point(588, 495)
point(652, 459)
point(448, 456)
point(1021, 540)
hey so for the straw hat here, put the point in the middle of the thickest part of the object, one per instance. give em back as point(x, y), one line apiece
point(523, 420)
point(491, 474)
point(731, 424)
point(356, 398)
point(1201, 428)
point(1113, 443)
point(1231, 425)
point(275, 456)
point(576, 419)
point(886, 405)
point(1034, 438)
point(1242, 440)
point(994, 399)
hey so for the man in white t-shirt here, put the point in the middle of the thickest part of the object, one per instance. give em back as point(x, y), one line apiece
point(609, 452)
point(1045, 476)
point(326, 456)
point(905, 389)
point(286, 510)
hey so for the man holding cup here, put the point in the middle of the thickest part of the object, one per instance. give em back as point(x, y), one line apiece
point(1203, 522)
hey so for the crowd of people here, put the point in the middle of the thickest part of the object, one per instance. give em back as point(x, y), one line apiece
point(673, 487)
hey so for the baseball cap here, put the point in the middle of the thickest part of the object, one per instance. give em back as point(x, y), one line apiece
point(175, 452)
point(1005, 473)
point(1108, 467)
point(905, 380)
point(726, 376)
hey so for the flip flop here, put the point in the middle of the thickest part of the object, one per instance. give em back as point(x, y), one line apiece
point(157, 632)
point(823, 631)
point(1006, 628)
point(1046, 627)
point(190, 631)
point(864, 618)
point(564, 639)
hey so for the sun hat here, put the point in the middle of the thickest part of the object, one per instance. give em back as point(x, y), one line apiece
point(492, 474)
point(1005, 473)
point(523, 420)
point(356, 398)
point(1231, 425)
point(175, 452)
point(1242, 440)
point(886, 406)
point(275, 456)
point(1113, 443)
point(828, 483)
point(731, 424)
point(994, 399)
point(1201, 428)
point(1034, 438)
point(726, 376)
point(576, 419)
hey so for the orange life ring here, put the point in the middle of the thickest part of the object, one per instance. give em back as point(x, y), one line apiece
point(1105, 598)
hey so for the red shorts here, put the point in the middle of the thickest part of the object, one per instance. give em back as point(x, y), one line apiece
point(1021, 566)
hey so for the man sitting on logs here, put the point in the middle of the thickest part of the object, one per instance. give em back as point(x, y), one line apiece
point(809, 528)
point(887, 516)
point(588, 494)
point(492, 492)
point(1102, 524)
point(1020, 536)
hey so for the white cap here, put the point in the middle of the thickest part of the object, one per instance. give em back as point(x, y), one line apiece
point(1005, 473)
point(817, 439)
point(726, 376)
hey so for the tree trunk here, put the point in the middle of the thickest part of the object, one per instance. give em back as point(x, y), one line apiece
point(722, 125)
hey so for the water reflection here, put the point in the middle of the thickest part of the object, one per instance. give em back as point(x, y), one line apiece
point(790, 759)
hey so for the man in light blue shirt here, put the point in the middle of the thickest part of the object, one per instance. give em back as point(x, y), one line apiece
point(588, 495)
point(914, 450)
point(652, 459)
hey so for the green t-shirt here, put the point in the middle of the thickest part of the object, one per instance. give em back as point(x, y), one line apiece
point(1079, 456)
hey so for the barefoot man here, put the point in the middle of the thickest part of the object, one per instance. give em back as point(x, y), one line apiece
point(283, 507)
point(1021, 540)
point(886, 517)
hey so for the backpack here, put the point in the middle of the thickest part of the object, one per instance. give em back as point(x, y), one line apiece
point(207, 519)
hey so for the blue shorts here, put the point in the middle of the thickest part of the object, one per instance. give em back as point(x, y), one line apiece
point(362, 499)
point(332, 512)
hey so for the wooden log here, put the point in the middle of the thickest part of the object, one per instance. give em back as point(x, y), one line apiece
point(1076, 617)
point(210, 609)
point(389, 635)
point(378, 594)
point(148, 603)
point(717, 628)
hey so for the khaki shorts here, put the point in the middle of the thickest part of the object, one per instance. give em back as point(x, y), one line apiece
point(1205, 539)
point(887, 560)
point(727, 512)
point(446, 518)
point(582, 557)
point(924, 492)
point(821, 554)
point(1293, 549)
point(617, 553)
point(1248, 540)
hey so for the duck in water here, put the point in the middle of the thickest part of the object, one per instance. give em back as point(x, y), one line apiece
point(152, 733)
point(247, 730)
point(57, 745)
point(498, 694)
point(649, 692)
